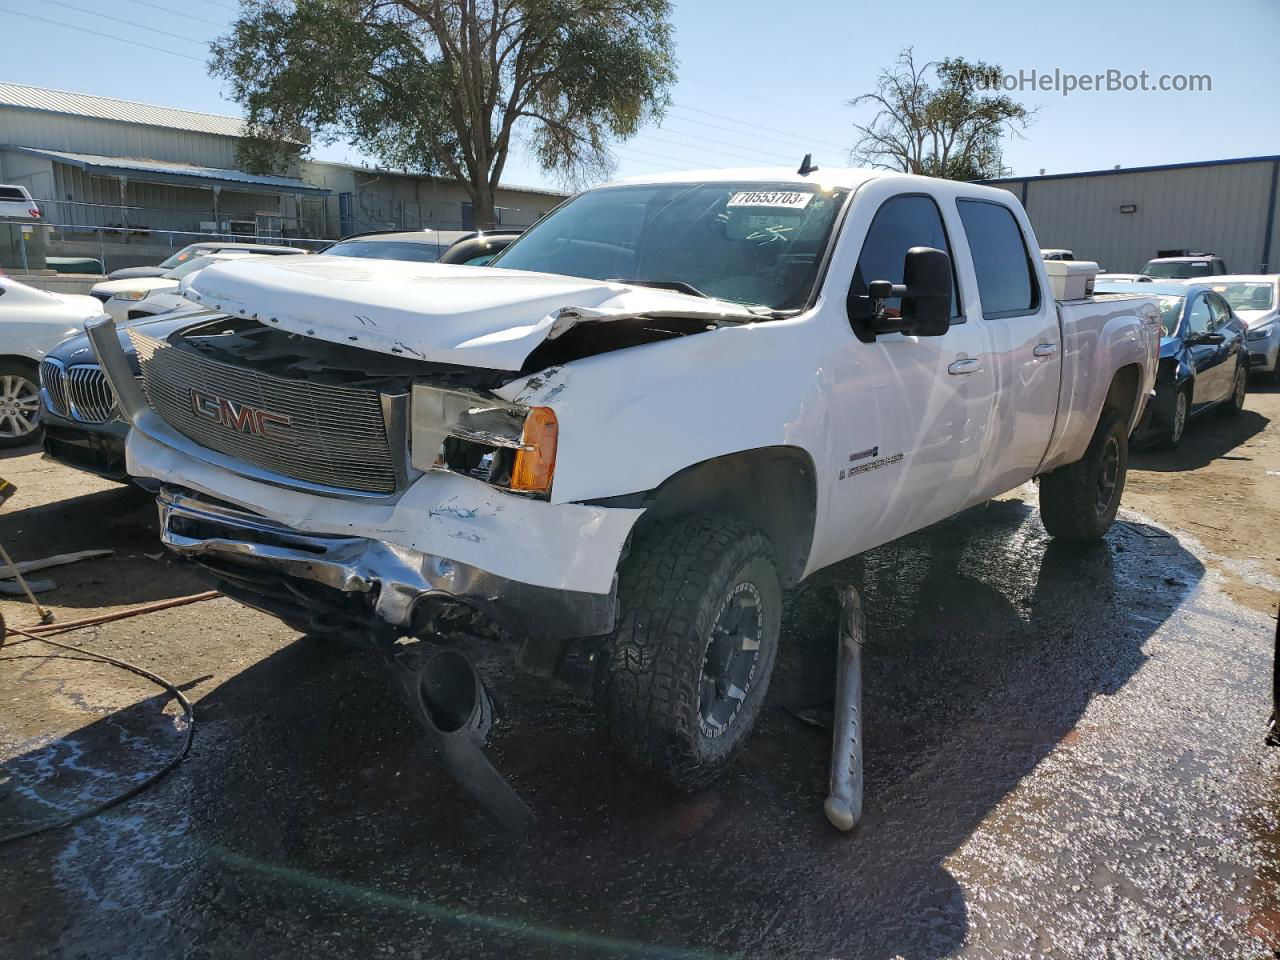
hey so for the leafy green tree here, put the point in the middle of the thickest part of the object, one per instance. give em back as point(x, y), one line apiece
point(446, 86)
point(949, 127)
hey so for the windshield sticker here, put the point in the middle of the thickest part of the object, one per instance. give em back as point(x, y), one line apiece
point(784, 199)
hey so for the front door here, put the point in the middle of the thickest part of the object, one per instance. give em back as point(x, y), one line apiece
point(1211, 383)
point(1225, 359)
point(907, 411)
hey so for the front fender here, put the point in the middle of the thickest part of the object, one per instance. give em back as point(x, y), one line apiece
point(630, 419)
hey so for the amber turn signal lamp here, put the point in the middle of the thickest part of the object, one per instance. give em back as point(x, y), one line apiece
point(536, 462)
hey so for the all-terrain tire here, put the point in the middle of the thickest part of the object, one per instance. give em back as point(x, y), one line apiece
point(1079, 501)
point(696, 593)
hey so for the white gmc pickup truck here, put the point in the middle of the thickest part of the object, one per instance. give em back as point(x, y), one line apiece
point(616, 445)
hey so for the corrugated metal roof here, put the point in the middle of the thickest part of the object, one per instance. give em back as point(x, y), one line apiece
point(153, 169)
point(107, 108)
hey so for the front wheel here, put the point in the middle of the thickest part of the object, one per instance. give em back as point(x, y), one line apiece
point(1079, 501)
point(688, 665)
point(19, 405)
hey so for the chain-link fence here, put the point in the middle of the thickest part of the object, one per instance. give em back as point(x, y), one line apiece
point(84, 248)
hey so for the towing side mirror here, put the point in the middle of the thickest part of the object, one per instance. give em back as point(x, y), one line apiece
point(925, 293)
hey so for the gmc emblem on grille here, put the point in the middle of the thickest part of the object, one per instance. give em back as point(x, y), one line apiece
point(239, 416)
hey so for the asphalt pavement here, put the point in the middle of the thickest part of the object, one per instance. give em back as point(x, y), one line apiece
point(1064, 759)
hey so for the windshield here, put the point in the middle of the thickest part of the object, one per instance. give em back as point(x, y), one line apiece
point(387, 250)
point(1180, 270)
point(758, 244)
point(1248, 296)
point(191, 266)
point(185, 254)
point(1170, 311)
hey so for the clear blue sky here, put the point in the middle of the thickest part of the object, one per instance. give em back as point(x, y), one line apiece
point(764, 82)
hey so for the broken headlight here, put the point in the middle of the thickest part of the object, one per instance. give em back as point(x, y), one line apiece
point(508, 445)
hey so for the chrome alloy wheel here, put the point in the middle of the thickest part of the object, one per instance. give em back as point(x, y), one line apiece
point(19, 407)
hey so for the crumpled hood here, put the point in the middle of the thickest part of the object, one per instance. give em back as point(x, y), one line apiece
point(472, 316)
point(1170, 347)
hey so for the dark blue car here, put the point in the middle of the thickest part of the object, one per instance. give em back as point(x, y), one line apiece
point(83, 427)
point(1203, 360)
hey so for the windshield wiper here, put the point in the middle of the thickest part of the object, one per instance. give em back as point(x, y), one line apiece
point(679, 286)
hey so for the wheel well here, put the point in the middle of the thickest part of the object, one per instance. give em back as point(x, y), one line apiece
point(772, 488)
point(1122, 395)
point(24, 361)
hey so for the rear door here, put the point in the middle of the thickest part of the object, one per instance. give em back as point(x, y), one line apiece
point(1021, 323)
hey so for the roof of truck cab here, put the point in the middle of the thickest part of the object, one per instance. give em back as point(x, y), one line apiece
point(844, 177)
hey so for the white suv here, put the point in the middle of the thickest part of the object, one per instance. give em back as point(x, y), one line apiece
point(16, 202)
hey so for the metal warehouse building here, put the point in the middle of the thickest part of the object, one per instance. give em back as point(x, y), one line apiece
point(127, 182)
point(1122, 218)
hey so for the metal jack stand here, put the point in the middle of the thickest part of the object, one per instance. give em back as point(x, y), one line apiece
point(7, 490)
point(843, 805)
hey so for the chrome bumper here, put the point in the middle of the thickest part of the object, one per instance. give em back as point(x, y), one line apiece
point(395, 578)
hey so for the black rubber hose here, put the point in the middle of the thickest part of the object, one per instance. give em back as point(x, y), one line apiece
point(137, 788)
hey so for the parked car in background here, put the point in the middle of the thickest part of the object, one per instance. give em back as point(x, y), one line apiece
point(32, 322)
point(16, 202)
point(420, 246)
point(1255, 299)
point(120, 297)
point(1057, 253)
point(1189, 267)
point(199, 250)
point(1203, 361)
point(1123, 278)
point(479, 249)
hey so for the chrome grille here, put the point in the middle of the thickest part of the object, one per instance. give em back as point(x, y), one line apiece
point(320, 434)
point(89, 393)
point(80, 391)
point(53, 377)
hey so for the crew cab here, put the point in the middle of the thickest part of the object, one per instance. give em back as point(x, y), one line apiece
point(617, 444)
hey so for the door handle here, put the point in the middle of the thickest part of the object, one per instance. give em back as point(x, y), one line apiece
point(960, 367)
point(1045, 349)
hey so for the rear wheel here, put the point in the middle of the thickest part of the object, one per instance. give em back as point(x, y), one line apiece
point(1232, 406)
point(688, 665)
point(19, 405)
point(1079, 501)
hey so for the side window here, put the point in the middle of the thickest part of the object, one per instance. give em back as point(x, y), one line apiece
point(1006, 282)
point(1199, 317)
point(1221, 313)
point(903, 222)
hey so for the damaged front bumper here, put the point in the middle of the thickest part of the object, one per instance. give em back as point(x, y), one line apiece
point(392, 581)
point(537, 569)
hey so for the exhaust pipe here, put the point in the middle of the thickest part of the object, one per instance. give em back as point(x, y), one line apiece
point(446, 694)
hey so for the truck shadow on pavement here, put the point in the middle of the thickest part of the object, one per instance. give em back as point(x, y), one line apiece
point(310, 821)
